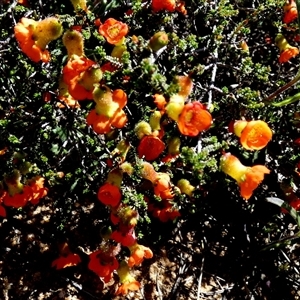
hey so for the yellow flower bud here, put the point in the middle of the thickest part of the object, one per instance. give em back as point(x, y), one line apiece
point(158, 41)
point(118, 51)
point(13, 182)
point(73, 41)
point(239, 126)
point(175, 107)
point(46, 31)
point(79, 4)
point(90, 77)
point(154, 120)
point(142, 128)
point(174, 145)
point(185, 187)
point(105, 105)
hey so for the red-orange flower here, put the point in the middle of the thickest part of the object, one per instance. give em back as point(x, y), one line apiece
point(103, 263)
point(138, 253)
point(2, 209)
point(287, 54)
point(125, 235)
point(113, 30)
point(158, 5)
point(254, 135)
point(194, 119)
point(164, 210)
point(150, 147)
point(66, 258)
point(286, 50)
point(248, 178)
point(38, 190)
point(109, 194)
point(290, 11)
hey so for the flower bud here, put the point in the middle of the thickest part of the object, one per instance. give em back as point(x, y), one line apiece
point(105, 105)
point(118, 51)
point(90, 77)
point(158, 41)
point(127, 167)
point(142, 128)
point(186, 85)
point(46, 31)
point(174, 145)
point(79, 4)
point(25, 167)
point(244, 46)
point(154, 120)
point(232, 166)
point(185, 187)
point(148, 172)
point(175, 107)
point(73, 41)
point(13, 182)
point(239, 126)
point(121, 150)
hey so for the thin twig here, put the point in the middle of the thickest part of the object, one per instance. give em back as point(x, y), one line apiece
point(200, 279)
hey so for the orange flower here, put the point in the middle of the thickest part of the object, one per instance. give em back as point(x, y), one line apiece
point(128, 282)
point(104, 263)
point(248, 178)
point(186, 85)
point(163, 187)
point(23, 33)
point(101, 124)
point(158, 5)
point(23, 2)
point(148, 172)
point(81, 74)
point(108, 112)
point(18, 195)
point(254, 135)
point(109, 194)
point(290, 11)
point(65, 97)
point(75, 66)
point(66, 259)
point(150, 147)
point(34, 36)
point(286, 50)
point(194, 119)
point(160, 101)
point(181, 7)
point(138, 253)
point(113, 30)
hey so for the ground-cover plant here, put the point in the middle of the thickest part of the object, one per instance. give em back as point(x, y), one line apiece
point(134, 135)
